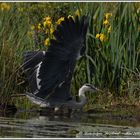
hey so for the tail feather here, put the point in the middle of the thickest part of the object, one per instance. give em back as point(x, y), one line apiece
point(39, 101)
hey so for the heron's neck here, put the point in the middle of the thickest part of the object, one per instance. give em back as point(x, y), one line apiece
point(82, 96)
point(79, 105)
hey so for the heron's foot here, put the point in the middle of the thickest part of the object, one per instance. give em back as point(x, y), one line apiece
point(58, 111)
point(63, 111)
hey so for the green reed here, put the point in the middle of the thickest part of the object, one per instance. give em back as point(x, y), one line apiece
point(13, 41)
point(110, 64)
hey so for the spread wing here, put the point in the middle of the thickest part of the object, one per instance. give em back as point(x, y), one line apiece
point(31, 60)
point(54, 72)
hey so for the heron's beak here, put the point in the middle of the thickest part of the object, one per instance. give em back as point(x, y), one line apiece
point(99, 90)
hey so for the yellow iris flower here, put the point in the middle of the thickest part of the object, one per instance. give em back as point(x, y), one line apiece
point(47, 21)
point(109, 29)
point(47, 41)
point(106, 22)
point(39, 26)
point(60, 20)
point(5, 6)
point(71, 16)
point(32, 27)
point(51, 30)
point(101, 37)
point(77, 12)
point(107, 15)
point(97, 36)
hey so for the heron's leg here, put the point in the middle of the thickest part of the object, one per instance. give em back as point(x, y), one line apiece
point(56, 109)
point(46, 111)
point(81, 110)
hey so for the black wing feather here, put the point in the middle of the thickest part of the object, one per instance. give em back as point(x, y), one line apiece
point(31, 59)
point(59, 61)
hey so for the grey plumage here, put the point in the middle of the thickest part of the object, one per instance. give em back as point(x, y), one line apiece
point(50, 73)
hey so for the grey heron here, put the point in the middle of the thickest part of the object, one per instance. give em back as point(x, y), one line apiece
point(50, 72)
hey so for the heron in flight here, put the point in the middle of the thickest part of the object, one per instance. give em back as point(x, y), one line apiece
point(50, 72)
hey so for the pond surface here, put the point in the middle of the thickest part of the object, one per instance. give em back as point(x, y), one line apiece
point(32, 124)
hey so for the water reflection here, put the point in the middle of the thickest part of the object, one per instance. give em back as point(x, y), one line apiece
point(33, 124)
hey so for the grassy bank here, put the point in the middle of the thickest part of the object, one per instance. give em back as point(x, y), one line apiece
point(112, 61)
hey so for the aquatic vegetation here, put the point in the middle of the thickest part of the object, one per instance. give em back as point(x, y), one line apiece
point(5, 7)
point(13, 41)
point(101, 37)
point(113, 45)
point(45, 28)
point(117, 51)
point(60, 20)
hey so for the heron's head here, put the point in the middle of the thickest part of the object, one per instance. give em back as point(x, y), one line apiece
point(89, 87)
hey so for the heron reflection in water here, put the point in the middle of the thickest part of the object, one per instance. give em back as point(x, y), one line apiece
point(50, 72)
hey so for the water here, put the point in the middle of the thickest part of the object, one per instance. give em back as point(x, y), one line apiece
point(32, 124)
